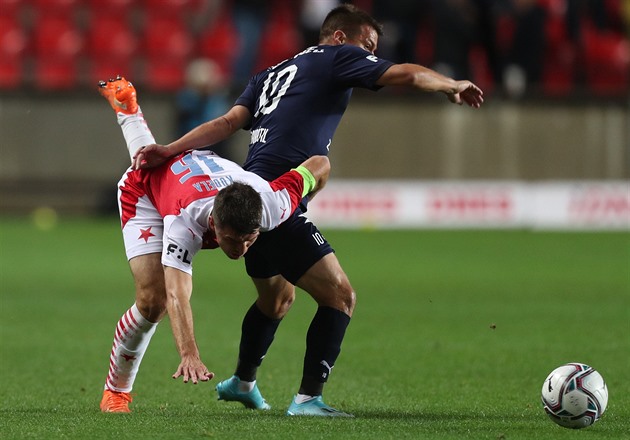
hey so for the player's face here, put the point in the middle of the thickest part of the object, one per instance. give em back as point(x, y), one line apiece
point(367, 39)
point(232, 243)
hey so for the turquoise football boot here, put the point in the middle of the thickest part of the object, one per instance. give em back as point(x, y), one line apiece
point(315, 407)
point(228, 390)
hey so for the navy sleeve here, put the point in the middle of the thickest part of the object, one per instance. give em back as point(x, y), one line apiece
point(355, 67)
point(248, 98)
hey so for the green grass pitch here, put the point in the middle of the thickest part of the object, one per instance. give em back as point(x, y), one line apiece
point(453, 335)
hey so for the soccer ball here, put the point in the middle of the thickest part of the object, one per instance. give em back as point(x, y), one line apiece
point(574, 395)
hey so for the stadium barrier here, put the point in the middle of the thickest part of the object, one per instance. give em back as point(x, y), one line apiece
point(592, 205)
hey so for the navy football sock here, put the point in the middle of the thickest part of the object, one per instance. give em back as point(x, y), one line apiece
point(257, 333)
point(323, 345)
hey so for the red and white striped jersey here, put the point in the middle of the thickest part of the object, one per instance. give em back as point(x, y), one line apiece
point(183, 191)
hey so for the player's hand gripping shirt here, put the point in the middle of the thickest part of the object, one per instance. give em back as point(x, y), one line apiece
point(297, 105)
point(180, 195)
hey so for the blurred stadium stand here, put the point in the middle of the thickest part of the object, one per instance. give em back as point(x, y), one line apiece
point(565, 118)
point(153, 40)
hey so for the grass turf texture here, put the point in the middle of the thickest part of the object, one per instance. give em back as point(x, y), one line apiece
point(453, 335)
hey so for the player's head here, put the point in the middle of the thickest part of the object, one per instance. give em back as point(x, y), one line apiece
point(347, 24)
point(236, 218)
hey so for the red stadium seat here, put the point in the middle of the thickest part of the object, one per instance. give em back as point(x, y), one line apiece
point(121, 7)
point(13, 44)
point(56, 73)
point(219, 42)
point(111, 46)
point(505, 29)
point(480, 68)
point(11, 72)
point(425, 44)
point(557, 79)
point(10, 8)
point(559, 61)
point(168, 45)
point(56, 7)
point(554, 6)
point(171, 7)
point(281, 38)
point(57, 45)
point(57, 36)
point(103, 69)
point(167, 36)
point(162, 75)
point(606, 61)
point(110, 35)
point(13, 37)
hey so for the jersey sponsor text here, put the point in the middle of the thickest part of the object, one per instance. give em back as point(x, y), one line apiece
point(259, 135)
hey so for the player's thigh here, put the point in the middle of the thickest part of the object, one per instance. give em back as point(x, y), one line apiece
point(148, 275)
point(142, 231)
point(143, 227)
point(289, 250)
point(329, 285)
point(275, 296)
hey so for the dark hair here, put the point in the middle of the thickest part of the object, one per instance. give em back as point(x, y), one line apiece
point(349, 19)
point(239, 207)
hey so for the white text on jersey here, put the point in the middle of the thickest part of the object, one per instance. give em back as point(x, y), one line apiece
point(213, 184)
point(259, 135)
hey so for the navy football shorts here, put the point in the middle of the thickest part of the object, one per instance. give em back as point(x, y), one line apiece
point(289, 250)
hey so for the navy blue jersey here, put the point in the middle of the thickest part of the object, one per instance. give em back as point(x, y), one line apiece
point(298, 104)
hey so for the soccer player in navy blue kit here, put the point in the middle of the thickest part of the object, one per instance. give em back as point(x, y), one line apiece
point(292, 110)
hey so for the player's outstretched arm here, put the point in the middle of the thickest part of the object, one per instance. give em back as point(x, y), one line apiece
point(178, 291)
point(208, 133)
point(427, 80)
point(319, 167)
point(289, 189)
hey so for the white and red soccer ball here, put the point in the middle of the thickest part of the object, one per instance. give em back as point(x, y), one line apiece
point(574, 395)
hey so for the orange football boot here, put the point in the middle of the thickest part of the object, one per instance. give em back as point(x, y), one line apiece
point(115, 402)
point(121, 95)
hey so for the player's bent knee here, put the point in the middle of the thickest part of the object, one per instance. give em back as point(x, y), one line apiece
point(275, 296)
point(283, 306)
point(340, 296)
point(153, 312)
point(349, 300)
point(151, 304)
point(352, 301)
point(276, 308)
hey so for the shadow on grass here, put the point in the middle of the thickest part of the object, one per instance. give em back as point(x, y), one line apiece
point(238, 414)
point(420, 415)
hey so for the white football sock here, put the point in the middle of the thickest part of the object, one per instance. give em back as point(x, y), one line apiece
point(131, 339)
point(301, 398)
point(135, 130)
point(246, 387)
